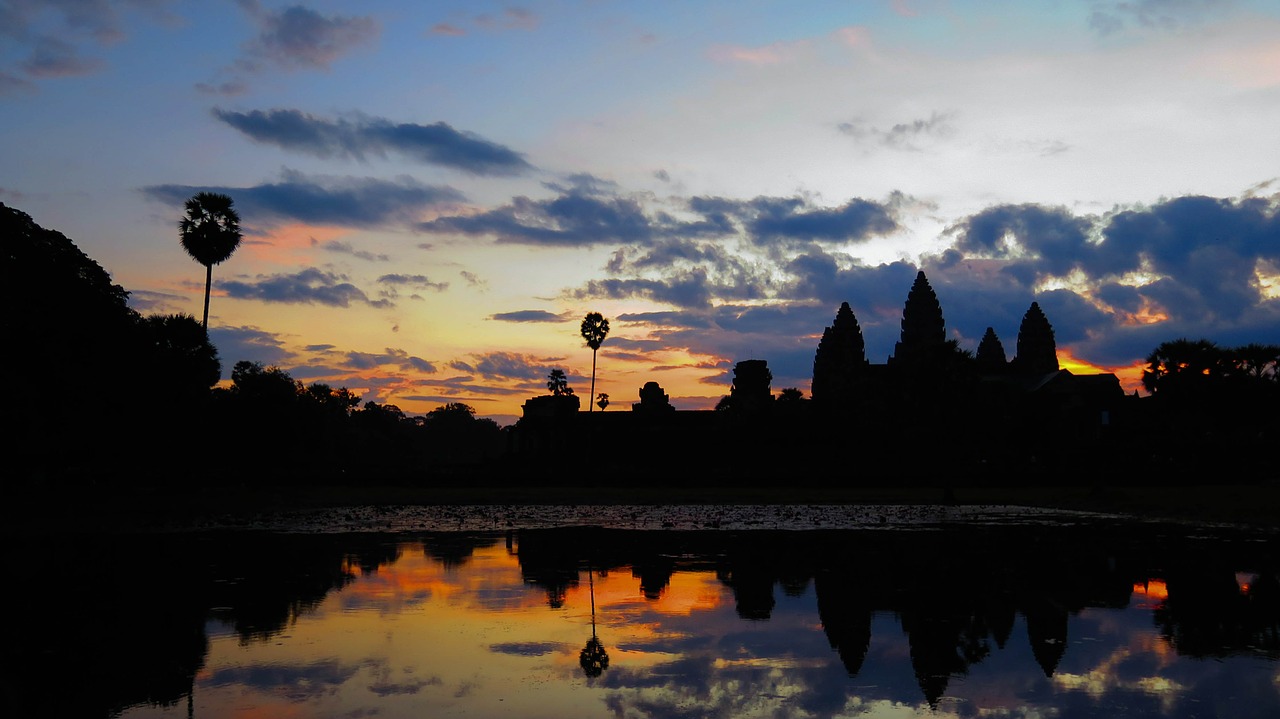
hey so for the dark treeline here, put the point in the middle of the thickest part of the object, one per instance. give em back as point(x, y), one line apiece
point(103, 394)
point(957, 593)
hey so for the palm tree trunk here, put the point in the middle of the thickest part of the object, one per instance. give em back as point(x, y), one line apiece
point(591, 401)
point(208, 282)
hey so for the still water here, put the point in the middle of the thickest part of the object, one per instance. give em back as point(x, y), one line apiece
point(1089, 617)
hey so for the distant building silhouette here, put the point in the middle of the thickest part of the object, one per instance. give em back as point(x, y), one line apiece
point(1007, 419)
point(840, 361)
point(923, 329)
point(991, 357)
point(1037, 352)
point(653, 400)
point(751, 386)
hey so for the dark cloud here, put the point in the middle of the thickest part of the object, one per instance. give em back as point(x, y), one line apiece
point(689, 289)
point(792, 218)
point(690, 320)
point(310, 287)
point(421, 281)
point(148, 302)
point(528, 316)
point(386, 688)
point(568, 220)
point(589, 211)
point(248, 343)
point(52, 57)
point(437, 143)
point(1113, 286)
point(341, 201)
point(393, 284)
point(1110, 18)
point(297, 681)
point(53, 35)
point(527, 649)
point(229, 88)
point(1203, 253)
point(300, 38)
point(346, 248)
point(505, 365)
point(1208, 247)
point(295, 38)
point(390, 357)
point(1053, 234)
point(1182, 267)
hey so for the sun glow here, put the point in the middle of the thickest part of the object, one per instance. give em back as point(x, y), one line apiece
point(1268, 279)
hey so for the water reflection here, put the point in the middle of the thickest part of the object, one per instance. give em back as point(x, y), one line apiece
point(1020, 621)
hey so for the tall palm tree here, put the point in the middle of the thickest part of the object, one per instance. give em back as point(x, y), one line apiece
point(594, 329)
point(210, 233)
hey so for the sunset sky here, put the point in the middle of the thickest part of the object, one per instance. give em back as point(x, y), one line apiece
point(434, 193)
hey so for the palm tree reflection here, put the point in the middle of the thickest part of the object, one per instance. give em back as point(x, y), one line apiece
point(593, 658)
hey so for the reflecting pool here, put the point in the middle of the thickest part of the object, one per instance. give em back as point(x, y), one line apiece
point(1095, 617)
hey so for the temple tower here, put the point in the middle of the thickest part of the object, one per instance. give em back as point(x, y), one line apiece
point(1037, 352)
point(923, 329)
point(840, 359)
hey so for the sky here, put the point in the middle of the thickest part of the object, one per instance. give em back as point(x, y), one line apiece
point(433, 194)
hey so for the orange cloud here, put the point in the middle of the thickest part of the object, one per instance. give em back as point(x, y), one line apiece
point(283, 243)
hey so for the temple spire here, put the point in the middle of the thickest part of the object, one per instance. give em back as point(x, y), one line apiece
point(839, 360)
point(991, 357)
point(1037, 351)
point(923, 329)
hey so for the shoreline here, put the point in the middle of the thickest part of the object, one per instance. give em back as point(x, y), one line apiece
point(90, 509)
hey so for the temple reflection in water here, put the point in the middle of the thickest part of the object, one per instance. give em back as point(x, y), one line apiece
point(1087, 620)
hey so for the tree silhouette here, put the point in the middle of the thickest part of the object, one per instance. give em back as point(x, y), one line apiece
point(183, 362)
point(210, 233)
point(1184, 367)
point(557, 383)
point(594, 329)
point(1256, 361)
point(602, 400)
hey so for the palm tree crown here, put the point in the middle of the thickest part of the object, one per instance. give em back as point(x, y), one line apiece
point(210, 233)
point(594, 329)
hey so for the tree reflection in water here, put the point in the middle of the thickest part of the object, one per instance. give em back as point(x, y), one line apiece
point(593, 658)
point(787, 623)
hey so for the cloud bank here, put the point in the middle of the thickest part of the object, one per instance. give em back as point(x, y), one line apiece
point(435, 144)
point(320, 200)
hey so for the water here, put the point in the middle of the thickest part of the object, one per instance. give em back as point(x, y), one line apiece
point(689, 612)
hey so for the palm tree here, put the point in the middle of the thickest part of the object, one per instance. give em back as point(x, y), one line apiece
point(594, 329)
point(558, 383)
point(210, 233)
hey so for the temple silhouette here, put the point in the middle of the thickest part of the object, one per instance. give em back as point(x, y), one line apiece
point(930, 410)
